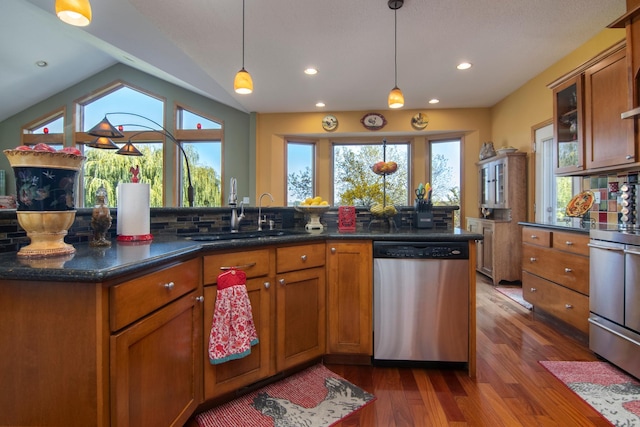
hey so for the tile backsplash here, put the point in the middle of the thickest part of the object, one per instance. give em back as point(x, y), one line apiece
point(607, 189)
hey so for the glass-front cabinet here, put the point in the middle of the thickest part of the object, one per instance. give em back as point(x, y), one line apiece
point(568, 126)
point(492, 181)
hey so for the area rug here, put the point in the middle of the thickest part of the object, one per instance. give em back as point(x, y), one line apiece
point(613, 393)
point(514, 293)
point(314, 397)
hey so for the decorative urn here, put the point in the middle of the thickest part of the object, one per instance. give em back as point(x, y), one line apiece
point(45, 185)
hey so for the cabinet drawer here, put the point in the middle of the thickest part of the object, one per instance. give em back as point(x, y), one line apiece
point(292, 258)
point(536, 236)
point(565, 304)
point(138, 297)
point(571, 242)
point(564, 268)
point(255, 263)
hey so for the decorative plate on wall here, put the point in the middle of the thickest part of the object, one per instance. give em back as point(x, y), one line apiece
point(419, 121)
point(329, 122)
point(373, 121)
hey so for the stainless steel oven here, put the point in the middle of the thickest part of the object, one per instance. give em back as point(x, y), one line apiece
point(614, 297)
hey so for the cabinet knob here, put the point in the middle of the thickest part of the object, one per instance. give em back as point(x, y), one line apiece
point(567, 270)
point(532, 259)
point(533, 290)
point(533, 236)
point(169, 285)
point(267, 285)
point(568, 306)
point(629, 157)
point(333, 250)
point(568, 243)
point(303, 257)
point(200, 299)
point(282, 282)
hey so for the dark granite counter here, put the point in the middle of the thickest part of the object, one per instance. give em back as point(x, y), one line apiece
point(91, 264)
point(559, 227)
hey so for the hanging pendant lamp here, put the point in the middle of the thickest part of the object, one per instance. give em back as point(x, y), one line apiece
point(74, 12)
point(396, 98)
point(243, 84)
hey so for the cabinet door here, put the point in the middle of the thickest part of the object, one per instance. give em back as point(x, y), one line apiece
point(350, 299)
point(487, 249)
point(609, 139)
point(568, 126)
point(499, 169)
point(235, 374)
point(156, 367)
point(300, 317)
point(485, 192)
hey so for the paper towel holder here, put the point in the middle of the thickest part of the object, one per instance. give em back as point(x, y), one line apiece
point(106, 129)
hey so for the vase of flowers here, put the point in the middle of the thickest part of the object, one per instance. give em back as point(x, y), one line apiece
point(45, 194)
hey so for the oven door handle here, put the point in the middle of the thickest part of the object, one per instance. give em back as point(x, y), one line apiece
point(606, 248)
point(618, 334)
point(631, 252)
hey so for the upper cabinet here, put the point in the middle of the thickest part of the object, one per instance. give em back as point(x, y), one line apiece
point(590, 135)
point(500, 181)
point(568, 125)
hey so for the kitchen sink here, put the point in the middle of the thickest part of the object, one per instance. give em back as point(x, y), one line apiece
point(246, 235)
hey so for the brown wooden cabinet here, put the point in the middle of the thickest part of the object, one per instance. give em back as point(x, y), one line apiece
point(496, 255)
point(555, 275)
point(301, 304)
point(350, 297)
point(568, 126)
point(258, 264)
point(95, 354)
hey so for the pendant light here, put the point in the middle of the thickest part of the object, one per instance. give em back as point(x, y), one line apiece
point(74, 12)
point(243, 84)
point(396, 98)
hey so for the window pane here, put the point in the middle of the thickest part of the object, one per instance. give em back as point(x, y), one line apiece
point(206, 169)
point(54, 126)
point(445, 174)
point(189, 120)
point(300, 172)
point(356, 184)
point(105, 168)
point(124, 100)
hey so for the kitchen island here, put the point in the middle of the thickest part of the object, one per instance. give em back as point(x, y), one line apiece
point(116, 336)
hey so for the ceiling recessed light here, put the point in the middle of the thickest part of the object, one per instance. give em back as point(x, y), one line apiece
point(434, 101)
point(311, 71)
point(464, 66)
point(41, 64)
point(320, 104)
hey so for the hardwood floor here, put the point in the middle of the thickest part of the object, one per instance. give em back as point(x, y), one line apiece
point(511, 388)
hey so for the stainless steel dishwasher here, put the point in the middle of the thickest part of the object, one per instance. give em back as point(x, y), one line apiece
point(421, 302)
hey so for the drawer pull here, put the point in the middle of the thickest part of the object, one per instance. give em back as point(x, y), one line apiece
point(282, 282)
point(532, 259)
point(533, 236)
point(200, 299)
point(629, 157)
point(568, 306)
point(568, 243)
point(169, 285)
point(533, 290)
point(567, 270)
point(303, 257)
point(239, 267)
point(267, 285)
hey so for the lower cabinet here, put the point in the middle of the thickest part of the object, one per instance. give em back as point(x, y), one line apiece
point(498, 254)
point(350, 297)
point(555, 277)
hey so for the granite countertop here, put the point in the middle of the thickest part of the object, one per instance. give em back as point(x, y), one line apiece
point(557, 226)
point(94, 264)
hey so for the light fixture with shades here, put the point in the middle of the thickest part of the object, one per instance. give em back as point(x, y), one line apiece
point(105, 130)
point(396, 98)
point(243, 84)
point(74, 12)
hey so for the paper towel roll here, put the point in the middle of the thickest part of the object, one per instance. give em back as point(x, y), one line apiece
point(133, 211)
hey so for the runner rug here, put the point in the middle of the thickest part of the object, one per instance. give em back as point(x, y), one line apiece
point(514, 293)
point(610, 391)
point(314, 397)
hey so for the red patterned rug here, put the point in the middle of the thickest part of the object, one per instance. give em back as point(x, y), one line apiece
point(514, 293)
point(610, 391)
point(314, 397)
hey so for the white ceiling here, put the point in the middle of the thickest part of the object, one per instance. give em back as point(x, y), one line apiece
point(197, 44)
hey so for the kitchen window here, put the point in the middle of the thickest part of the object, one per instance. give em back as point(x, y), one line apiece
point(444, 171)
point(355, 183)
point(48, 129)
point(300, 171)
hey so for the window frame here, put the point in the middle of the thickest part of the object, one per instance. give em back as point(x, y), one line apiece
point(314, 164)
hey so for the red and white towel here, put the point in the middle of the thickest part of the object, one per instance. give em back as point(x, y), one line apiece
point(232, 331)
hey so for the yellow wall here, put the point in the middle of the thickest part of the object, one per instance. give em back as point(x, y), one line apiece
point(509, 122)
point(272, 130)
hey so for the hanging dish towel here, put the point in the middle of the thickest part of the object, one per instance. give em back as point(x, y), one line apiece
point(232, 331)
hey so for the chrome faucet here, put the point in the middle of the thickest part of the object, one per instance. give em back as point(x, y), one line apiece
point(260, 219)
point(233, 201)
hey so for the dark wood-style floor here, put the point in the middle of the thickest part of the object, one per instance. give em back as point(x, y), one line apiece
point(510, 389)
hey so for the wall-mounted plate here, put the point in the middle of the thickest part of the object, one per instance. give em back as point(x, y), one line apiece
point(329, 122)
point(373, 121)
